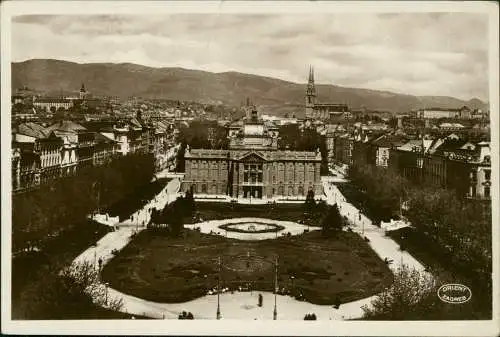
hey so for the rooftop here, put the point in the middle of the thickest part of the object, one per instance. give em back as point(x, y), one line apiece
point(32, 129)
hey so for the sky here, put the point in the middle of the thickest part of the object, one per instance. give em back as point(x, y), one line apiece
point(437, 54)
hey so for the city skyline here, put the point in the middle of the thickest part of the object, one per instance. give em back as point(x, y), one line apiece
point(423, 54)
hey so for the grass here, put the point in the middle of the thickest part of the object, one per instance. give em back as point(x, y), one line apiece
point(286, 212)
point(325, 271)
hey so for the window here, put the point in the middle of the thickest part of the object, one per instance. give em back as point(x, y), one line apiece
point(486, 191)
point(487, 174)
point(252, 173)
point(301, 190)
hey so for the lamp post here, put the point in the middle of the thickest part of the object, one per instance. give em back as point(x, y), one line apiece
point(218, 290)
point(98, 194)
point(106, 285)
point(275, 311)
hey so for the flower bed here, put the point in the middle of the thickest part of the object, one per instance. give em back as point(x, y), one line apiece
point(269, 228)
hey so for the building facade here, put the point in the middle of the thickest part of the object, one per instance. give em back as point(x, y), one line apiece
point(252, 167)
point(453, 164)
point(436, 113)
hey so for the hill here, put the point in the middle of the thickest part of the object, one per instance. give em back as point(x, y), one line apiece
point(274, 96)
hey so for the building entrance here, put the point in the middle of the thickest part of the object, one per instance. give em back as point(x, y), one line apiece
point(252, 192)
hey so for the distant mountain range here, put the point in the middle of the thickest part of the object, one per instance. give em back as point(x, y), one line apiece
point(272, 95)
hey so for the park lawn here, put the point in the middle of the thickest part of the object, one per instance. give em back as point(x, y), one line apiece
point(159, 268)
point(285, 212)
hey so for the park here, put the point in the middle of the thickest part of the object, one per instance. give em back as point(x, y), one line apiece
point(311, 266)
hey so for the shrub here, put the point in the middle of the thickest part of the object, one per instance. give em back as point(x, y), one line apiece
point(186, 315)
point(310, 317)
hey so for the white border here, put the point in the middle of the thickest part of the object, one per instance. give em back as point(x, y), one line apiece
point(225, 327)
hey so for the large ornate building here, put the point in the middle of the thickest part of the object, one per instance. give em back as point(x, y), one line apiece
point(315, 110)
point(252, 167)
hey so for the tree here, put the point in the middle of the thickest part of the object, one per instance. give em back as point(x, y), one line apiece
point(69, 293)
point(41, 214)
point(411, 296)
point(190, 206)
point(186, 315)
point(332, 222)
point(310, 202)
point(310, 317)
point(174, 217)
point(60, 113)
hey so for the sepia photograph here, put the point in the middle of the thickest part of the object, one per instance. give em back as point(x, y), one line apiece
point(239, 162)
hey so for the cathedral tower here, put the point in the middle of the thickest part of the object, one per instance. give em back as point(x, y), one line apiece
point(310, 94)
point(83, 92)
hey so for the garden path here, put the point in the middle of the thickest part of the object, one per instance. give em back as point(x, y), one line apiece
point(384, 246)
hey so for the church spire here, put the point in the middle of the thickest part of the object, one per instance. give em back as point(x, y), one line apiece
point(311, 75)
point(311, 90)
point(310, 94)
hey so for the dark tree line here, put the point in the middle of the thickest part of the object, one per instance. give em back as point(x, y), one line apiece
point(41, 215)
point(460, 226)
point(455, 231)
point(382, 189)
point(170, 220)
point(308, 139)
point(71, 293)
point(204, 135)
point(200, 135)
point(329, 216)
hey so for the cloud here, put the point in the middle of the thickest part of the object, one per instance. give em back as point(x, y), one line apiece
point(414, 53)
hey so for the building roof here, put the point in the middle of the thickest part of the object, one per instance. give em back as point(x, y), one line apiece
point(101, 138)
point(390, 140)
point(446, 109)
point(271, 155)
point(135, 123)
point(411, 145)
point(51, 100)
point(451, 125)
point(66, 126)
point(32, 129)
